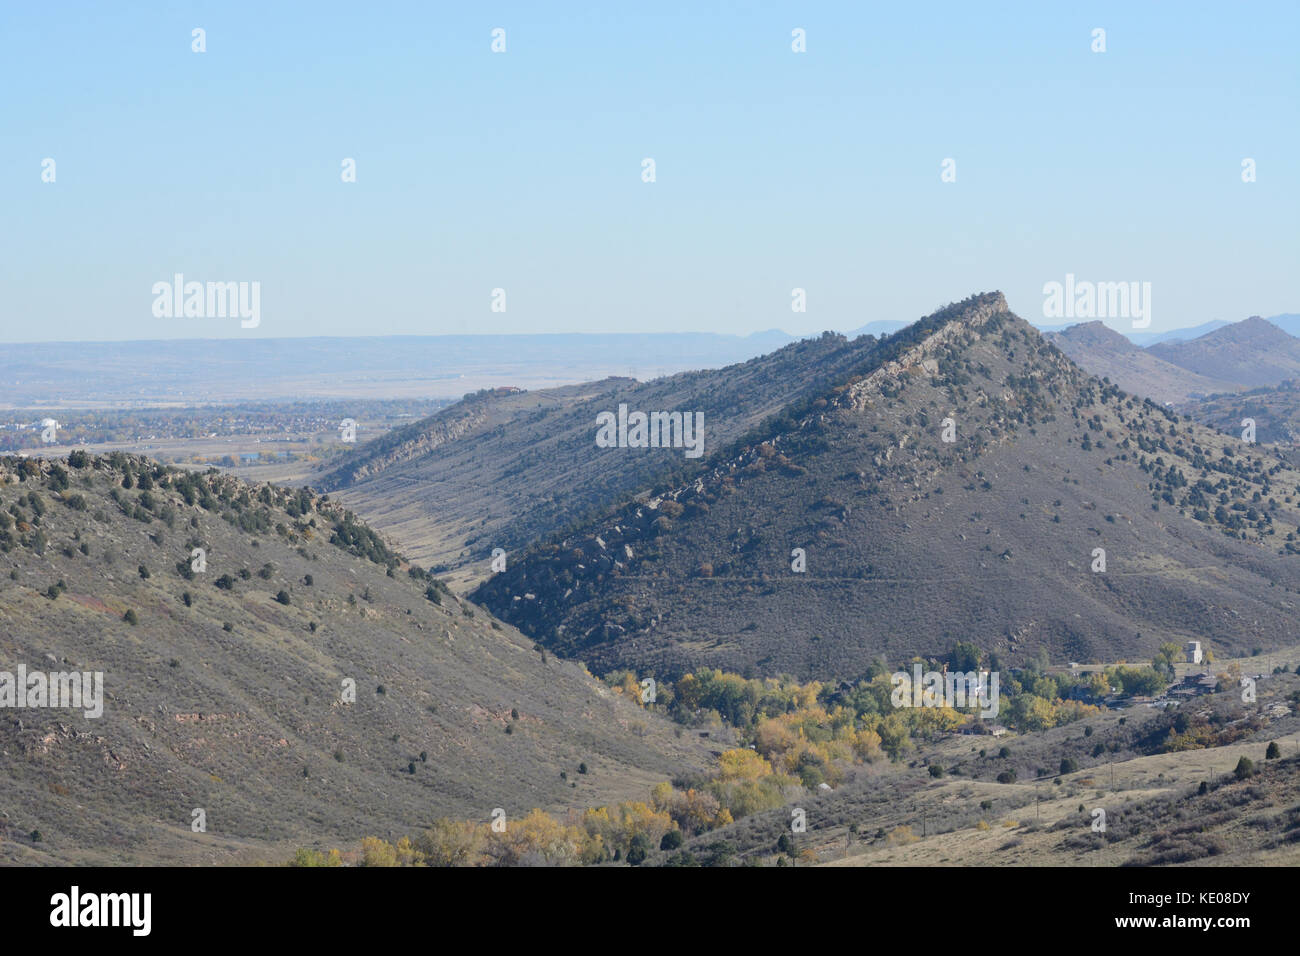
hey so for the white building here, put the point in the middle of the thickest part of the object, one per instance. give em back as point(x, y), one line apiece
point(1193, 652)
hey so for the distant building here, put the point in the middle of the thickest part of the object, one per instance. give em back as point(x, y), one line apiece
point(1193, 652)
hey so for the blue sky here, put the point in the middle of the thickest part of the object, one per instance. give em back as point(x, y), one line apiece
point(522, 170)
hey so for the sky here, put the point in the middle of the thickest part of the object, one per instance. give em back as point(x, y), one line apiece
point(522, 170)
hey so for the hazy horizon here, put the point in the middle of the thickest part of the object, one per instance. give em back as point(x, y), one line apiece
point(1038, 323)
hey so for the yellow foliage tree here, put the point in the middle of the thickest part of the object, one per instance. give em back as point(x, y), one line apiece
point(742, 764)
point(450, 843)
point(377, 852)
point(538, 838)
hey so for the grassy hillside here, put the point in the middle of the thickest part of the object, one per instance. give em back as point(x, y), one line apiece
point(503, 468)
point(223, 688)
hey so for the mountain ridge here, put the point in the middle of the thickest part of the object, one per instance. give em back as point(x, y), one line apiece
point(699, 573)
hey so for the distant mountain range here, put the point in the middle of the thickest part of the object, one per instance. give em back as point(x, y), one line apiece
point(1232, 357)
point(1253, 352)
point(1108, 354)
point(1175, 335)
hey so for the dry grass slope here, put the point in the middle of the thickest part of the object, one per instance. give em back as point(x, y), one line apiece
point(225, 692)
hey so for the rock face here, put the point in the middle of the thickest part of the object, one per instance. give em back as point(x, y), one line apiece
point(410, 442)
point(952, 488)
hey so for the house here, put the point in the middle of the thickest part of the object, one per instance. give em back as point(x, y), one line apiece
point(1193, 685)
point(1193, 652)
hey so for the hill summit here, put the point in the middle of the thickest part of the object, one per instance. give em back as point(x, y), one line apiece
point(967, 482)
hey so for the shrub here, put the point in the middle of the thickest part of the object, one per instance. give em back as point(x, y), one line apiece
point(636, 852)
point(131, 618)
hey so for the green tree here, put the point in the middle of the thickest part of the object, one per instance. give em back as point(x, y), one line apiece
point(1166, 656)
point(637, 849)
point(964, 657)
